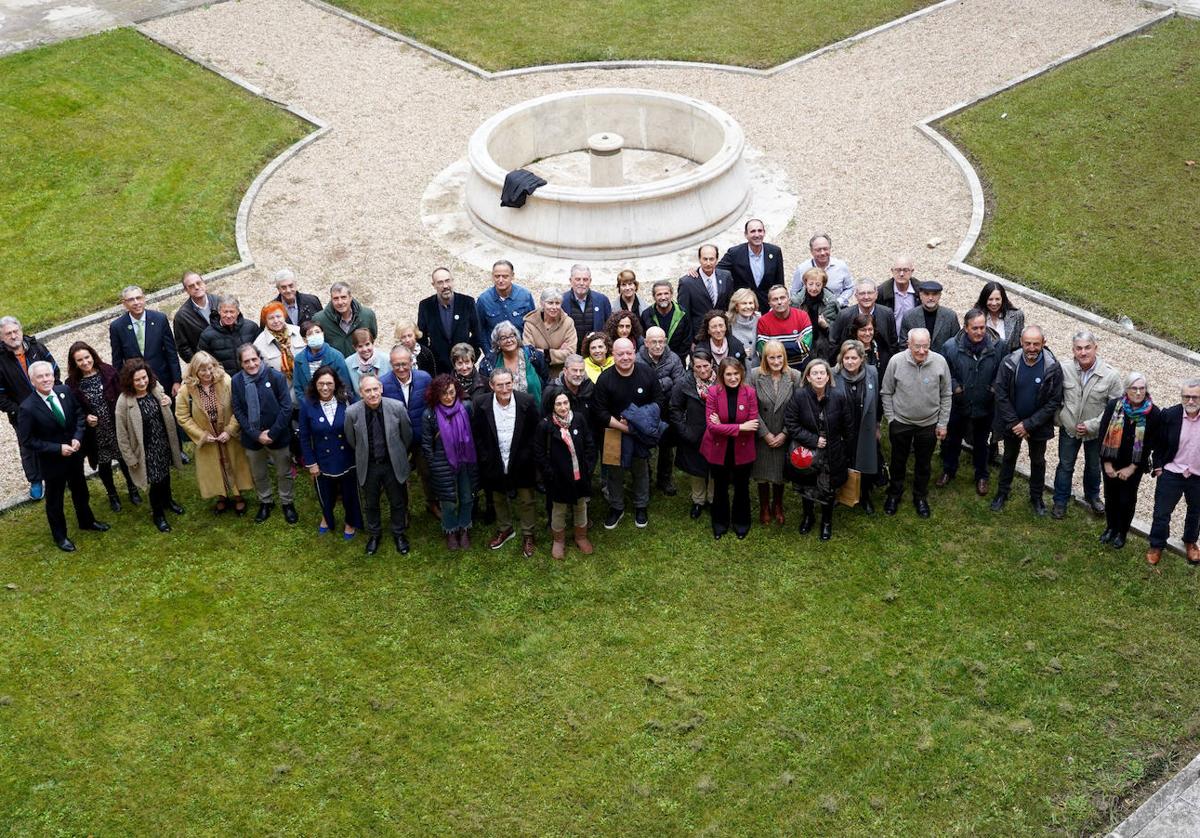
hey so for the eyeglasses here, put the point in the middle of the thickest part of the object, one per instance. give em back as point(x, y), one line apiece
point(1190, 398)
point(1136, 389)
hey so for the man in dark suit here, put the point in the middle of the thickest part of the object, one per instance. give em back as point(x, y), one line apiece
point(900, 292)
point(51, 424)
point(379, 432)
point(503, 423)
point(866, 301)
point(446, 318)
point(755, 265)
point(144, 333)
point(709, 288)
point(194, 316)
point(589, 310)
point(300, 307)
point(941, 322)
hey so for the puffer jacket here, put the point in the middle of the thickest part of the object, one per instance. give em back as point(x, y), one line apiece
point(440, 474)
point(222, 341)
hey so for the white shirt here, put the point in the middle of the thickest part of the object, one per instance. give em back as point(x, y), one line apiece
point(506, 423)
point(841, 281)
point(329, 408)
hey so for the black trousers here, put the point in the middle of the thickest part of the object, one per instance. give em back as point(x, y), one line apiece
point(160, 496)
point(345, 486)
point(105, 471)
point(379, 479)
point(1120, 499)
point(725, 476)
point(919, 442)
point(1171, 487)
point(29, 459)
point(1037, 465)
point(973, 430)
point(56, 486)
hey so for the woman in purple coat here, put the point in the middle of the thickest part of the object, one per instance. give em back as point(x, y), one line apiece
point(728, 445)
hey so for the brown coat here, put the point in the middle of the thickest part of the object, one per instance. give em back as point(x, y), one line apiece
point(194, 421)
point(129, 435)
point(550, 338)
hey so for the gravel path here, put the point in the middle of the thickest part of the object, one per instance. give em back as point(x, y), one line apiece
point(842, 126)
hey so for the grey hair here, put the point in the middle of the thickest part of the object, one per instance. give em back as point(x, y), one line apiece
point(9, 320)
point(37, 366)
point(1037, 329)
point(1133, 376)
point(363, 379)
point(866, 283)
point(399, 347)
point(283, 275)
point(501, 329)
point(919, 333)
point(820, 236)
point(1189, 383)
point(228, 300)
point(573, 358)
point(1085, 335)
point(501, 370)
point(551, 294)
point(662, 283)
point(340, 286)
point(580, 268)
point(129, 288)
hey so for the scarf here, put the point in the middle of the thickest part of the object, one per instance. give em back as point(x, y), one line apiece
point(253, 409)
point(456, 434)
point(467, 382)
point(564, 428)
point(1116, 428)
point(853, 379)
point(702, 386)
point(287, 362)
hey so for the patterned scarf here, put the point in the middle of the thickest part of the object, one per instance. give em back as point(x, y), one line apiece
point(1116, 428)
point(287, 362)
point(702, 386)
point(564, 428)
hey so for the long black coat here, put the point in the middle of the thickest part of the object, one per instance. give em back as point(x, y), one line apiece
point(688, 420)
point(804, 424)
point(554, 460)
point(522, 468)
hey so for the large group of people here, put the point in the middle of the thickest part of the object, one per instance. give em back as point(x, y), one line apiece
point(515, 411)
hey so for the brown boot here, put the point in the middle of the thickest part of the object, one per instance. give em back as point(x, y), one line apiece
point(581, 541)
point(764, 503)
point(558, 549)
point(777, 503)
point(1153, 555)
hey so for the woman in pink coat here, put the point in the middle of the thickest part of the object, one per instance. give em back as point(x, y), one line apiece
point(728, 445)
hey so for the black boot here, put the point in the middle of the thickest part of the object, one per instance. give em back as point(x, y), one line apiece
point(826, 521)
point(807, 519)
point(864, 498)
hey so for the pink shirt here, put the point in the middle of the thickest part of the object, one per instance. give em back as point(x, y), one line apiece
point(1187, 456)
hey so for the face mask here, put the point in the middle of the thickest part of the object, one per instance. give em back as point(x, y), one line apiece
point(315, 340)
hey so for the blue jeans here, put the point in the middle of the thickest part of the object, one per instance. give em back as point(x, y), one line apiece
point(1068, 453)
point(456, 514)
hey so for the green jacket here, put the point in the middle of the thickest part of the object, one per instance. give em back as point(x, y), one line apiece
point(331, 324)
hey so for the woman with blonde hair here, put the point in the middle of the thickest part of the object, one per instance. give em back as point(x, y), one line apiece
point(773, 382)
point(743, 322)
point(409, 335)
point(204, 409)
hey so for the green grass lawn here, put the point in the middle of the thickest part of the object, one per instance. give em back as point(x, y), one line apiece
point(980, 674)
point(120, 162)
point(1092, 198)
point(522, 33)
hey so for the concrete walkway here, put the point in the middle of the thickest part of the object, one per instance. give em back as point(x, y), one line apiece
point(1172, 812)
point(29, 23)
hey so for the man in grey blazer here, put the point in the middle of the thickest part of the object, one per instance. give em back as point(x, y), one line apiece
point(380, 433)
point(941, 322)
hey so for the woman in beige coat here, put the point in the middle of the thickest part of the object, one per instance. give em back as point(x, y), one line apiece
point(147, 439)
point(551, 331)
point(204, 409)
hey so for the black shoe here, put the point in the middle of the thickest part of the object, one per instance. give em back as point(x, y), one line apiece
point(1118, 541)
point(1106, 536)
point(890, 505)
point(135, 497)
point(667, 487)
point(867, 507)
point(697, 511)
point(640, 517)
point(806, 523)
point(614, 518)
point(66, 545)
point(289, 513)
point(826, 530)
point(184, 458)
point(741, 535)
point(718, 533)
point(372, 545)
point(174, 507)
point(998, 503)
point(264, 512)
point(1058, 512)
point(922, 507)
point(114, 502)
point(97, 526)
point(1038, 506)
point(401, 545)
point(161, 522)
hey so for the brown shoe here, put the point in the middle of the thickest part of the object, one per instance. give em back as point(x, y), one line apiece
point(559, 548)
point(581, 541)
point(982, 488)
point(1193, 553)
point(452, 540)
point(464, 539)
point(527, 546)
point(1153, 555)
point(777, 504)
point(764, 504)
point(501, 538)
point(943, 481)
